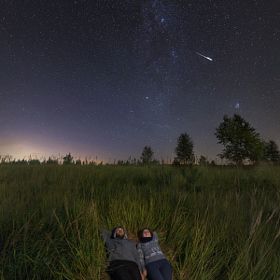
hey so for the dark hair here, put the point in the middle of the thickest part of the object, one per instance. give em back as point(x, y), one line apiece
point(140, 233)
point(113, 233)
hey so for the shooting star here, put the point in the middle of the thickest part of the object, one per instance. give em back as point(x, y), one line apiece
point(206, 57)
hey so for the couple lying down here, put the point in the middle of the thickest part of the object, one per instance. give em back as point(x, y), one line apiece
point(131, 261)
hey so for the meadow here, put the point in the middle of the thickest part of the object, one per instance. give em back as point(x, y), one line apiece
point(213, 222)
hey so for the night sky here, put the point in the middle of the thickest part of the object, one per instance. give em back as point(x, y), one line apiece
point(105, 78)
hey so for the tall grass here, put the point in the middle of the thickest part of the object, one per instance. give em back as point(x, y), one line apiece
point(213, 223)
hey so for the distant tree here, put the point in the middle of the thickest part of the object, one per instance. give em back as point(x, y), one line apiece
point(184, 149)
point(78, 162)
point(241, 141)
point(271, 152)
point(202, 160)
point(175, 162)
point(34, 162)
point(52, 161)
point(155, 162)
point(6, 158)
point(68, 159)
point(213, 163)
point(20, 162)
point(147, 155)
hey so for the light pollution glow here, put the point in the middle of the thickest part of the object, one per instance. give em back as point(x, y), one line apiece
point(25, 149)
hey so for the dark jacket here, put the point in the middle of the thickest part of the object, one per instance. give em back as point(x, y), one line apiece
point(120, 249)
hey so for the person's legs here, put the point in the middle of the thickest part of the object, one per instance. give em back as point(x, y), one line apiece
point(124, 270)
point(121, 273)
point(166, 270)
point(153, 271)
point(134, 271)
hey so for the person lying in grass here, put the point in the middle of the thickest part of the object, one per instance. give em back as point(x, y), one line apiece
point(123, 257)
point(151, 256)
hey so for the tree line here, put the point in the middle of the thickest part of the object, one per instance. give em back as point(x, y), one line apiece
point(242, 144)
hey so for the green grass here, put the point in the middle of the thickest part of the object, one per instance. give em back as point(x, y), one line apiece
point(213, 223)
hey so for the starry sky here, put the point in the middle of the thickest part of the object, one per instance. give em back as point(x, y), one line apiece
point(103, 79)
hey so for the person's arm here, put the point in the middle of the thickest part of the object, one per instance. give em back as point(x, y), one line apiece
point(155, 236)
point(106, 234)
point(141, 261)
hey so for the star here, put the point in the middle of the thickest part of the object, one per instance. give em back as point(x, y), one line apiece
point(237, 106)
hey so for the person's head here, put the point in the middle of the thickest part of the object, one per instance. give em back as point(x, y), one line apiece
point(119, 232)
point(145, 235)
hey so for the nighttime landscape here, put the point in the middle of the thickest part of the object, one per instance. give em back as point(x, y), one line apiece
point(142, 114)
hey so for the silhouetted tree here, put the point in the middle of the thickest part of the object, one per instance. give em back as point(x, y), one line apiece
point(6, 158)
point(240, 140)
point(52, 161)
point(147, 155)
point(68, 159)
point(271, 152)
point(175, 162)
point(20, 162)
point(213, 163)
point(202, 160)
point(34, 162)
point(184, 149)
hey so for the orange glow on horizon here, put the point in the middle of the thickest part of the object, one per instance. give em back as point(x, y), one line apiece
point(26, 150)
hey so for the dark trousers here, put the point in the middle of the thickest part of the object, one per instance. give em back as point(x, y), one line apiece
point(124, 270)
point(159, 270)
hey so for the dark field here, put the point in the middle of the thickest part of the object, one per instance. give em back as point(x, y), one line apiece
point(213, 222)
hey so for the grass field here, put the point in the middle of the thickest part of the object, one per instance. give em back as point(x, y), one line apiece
point(213, 222)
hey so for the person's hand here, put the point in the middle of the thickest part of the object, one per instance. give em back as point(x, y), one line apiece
point(144, 274)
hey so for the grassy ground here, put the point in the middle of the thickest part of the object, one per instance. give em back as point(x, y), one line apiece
point(213, 223)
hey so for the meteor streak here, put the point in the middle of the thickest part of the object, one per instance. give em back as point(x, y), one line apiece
point(206, 57)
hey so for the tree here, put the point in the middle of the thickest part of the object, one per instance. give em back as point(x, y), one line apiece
point(241, 141)
point(147, 155)
point(68, 159)
point(6, 159)
point(52, 161)
point(184, 149)
point(271, 152)
point(34, 162)
point(203, 160)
